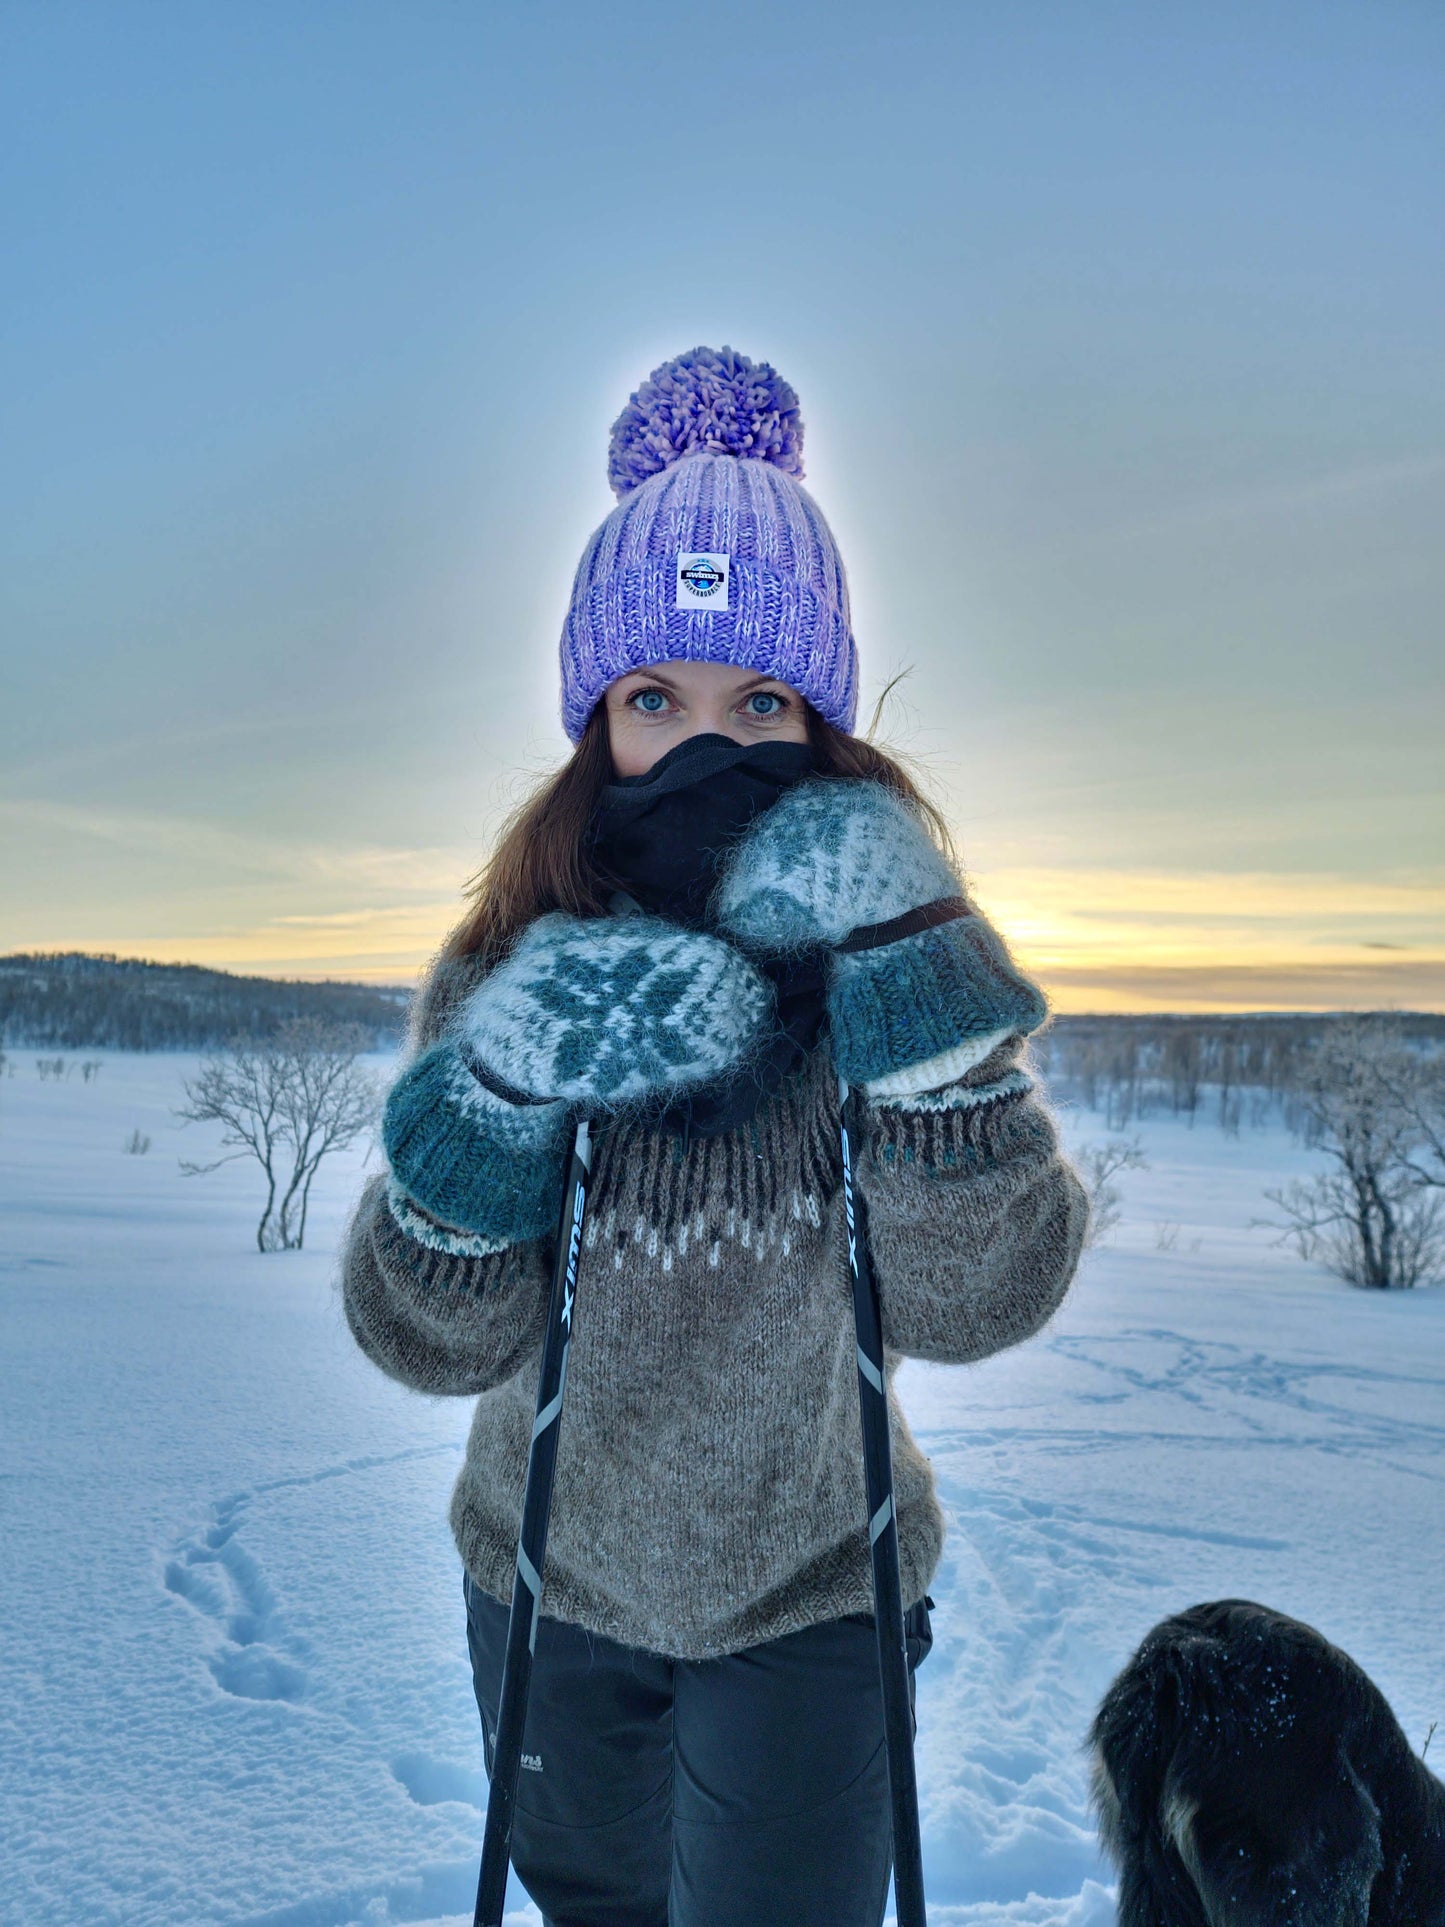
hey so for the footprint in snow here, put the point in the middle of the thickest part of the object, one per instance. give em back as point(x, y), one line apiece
point(219, 1579)
point(431, 1783)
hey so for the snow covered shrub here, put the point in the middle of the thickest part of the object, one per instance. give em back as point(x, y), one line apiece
point(1098, 1165)
point(293, 1099)
point(1374, 1215)
point(1376, 1235)
point(137, 1144)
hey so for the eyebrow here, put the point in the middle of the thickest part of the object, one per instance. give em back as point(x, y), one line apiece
point(656, 675)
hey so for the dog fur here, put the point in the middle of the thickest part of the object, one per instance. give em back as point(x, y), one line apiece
point(1249, 1774)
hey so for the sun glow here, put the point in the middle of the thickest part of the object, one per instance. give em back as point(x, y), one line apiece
point(1103, 940)
point(1151, 940)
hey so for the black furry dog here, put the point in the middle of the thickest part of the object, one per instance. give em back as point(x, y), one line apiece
point(1249, 1774)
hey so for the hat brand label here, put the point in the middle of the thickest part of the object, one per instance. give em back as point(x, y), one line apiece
point(702, 580)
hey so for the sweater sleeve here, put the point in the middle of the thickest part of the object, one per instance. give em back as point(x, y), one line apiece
point(440, 1310)
point(975, 1218)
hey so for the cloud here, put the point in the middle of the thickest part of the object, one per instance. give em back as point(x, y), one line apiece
point(1124, 918)
point(1263, 502)
point(369, 866)
point(1229, 986)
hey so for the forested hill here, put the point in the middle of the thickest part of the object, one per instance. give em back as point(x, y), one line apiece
point(73, 1000)
point(76, 1001)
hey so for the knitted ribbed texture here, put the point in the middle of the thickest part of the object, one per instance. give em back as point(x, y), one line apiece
point(469, 1157)
point(709, 1489)
point(603, 1010)
point(919, 997)
point(828, 857)
point(927, 1074)
point(720, 452)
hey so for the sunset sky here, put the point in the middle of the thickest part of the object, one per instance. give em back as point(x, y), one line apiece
point(1117, 331)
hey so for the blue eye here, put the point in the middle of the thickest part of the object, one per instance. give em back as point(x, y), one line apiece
point(650, 701)
point(769, 698)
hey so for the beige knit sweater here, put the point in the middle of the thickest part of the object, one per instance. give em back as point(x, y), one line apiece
point(709, 1484)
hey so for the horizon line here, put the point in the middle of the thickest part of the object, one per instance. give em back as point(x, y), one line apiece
point(1196, 1006)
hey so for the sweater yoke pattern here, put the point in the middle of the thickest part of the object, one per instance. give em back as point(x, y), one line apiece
point(756, 1187)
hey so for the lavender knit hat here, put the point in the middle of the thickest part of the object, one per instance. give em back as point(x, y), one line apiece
point(715, 552)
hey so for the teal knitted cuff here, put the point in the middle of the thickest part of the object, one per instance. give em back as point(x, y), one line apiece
point(912, 1000)
point(468, 1156)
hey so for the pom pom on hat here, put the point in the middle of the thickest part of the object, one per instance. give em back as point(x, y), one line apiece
point(707, 398)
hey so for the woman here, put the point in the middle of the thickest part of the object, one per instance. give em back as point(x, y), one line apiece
point(721, 903)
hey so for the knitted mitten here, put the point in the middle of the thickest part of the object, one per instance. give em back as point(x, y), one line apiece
point(586, 1014)
point(838, 863)
point(477, 1161)
point(605, 1010)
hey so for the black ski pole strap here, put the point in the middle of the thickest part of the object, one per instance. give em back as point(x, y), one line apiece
point(871, 936)
point(498, 1086)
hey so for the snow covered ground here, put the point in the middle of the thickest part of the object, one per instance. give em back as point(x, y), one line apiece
point(233, 1673)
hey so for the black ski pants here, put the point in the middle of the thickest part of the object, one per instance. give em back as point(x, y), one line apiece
point(747, 1791)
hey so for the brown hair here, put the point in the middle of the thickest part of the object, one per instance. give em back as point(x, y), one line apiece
point(541, 862)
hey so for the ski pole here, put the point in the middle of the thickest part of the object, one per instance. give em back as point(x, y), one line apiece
point(883, 1536)
point(532, 1543)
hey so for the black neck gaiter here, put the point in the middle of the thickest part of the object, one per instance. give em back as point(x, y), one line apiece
point(663, 837)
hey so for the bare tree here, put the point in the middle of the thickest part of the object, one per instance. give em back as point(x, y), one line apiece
point(1422, 1098)
point(286, 1102)
point(1099, 1165)
point(328, 1103)
point(241, 1088)
point(1371, 1216)
point(1183, 1067)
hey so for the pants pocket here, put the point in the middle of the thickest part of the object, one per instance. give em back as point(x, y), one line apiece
point(918, 1633)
